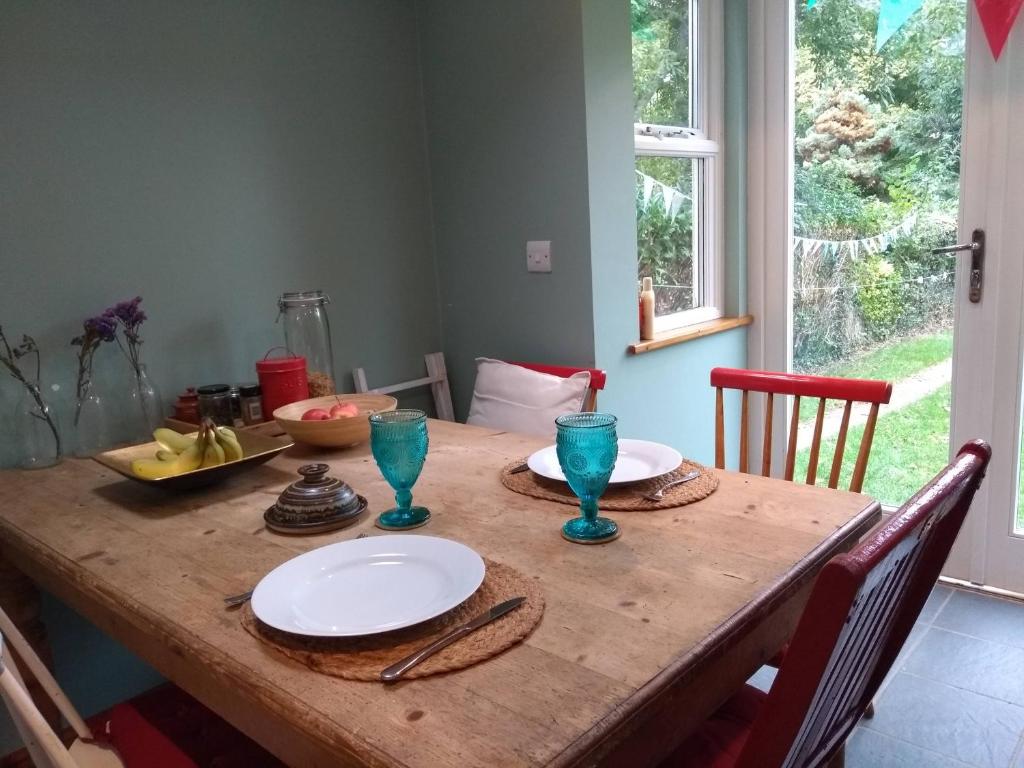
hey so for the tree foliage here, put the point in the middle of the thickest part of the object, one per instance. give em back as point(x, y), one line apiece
point(877, 139)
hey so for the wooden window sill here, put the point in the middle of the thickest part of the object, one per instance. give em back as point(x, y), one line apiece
point(690, 332)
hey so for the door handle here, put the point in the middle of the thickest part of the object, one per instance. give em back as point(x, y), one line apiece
point(977, 250)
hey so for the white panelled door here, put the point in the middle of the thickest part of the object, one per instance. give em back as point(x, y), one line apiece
point(988, 368)
point(988, 340)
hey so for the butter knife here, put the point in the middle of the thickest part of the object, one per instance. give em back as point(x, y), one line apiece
point(396, 670)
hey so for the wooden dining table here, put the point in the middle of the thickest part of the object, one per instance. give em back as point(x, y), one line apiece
point(641, 638)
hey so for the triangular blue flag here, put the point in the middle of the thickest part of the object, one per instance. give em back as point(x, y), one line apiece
point(891, 16)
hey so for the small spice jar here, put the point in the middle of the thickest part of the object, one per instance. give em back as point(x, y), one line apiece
point(236, 406)
point(186, 407)
point(215, 404)
point(252, 403)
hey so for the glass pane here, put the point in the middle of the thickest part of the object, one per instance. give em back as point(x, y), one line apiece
point(661, 61)
point(877, 166)
point(666, 204)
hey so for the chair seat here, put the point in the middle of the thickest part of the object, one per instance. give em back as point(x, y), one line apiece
point(720, 739)
point(167, 728)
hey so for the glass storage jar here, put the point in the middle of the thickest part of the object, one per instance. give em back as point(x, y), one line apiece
point(215, 404)
point(307, 334)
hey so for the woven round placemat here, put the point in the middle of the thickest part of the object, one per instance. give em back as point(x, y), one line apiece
point(624, 498)
point(363, 658)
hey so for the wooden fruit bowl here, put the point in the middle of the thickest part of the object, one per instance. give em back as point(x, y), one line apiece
point(256, 448)
point(336, 433)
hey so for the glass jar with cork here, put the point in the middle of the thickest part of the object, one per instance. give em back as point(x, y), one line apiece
point(307, 333)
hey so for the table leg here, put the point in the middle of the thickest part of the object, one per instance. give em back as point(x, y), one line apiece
point(19, 598)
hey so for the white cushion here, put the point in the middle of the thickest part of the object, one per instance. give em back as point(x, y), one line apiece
point(517, 399)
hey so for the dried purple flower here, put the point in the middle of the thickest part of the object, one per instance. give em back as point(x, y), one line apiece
point(128, 312)
point(96, 331)
point(129, 317)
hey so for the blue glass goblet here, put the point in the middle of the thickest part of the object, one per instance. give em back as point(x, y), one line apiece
point(587, 447)
point(398, 440)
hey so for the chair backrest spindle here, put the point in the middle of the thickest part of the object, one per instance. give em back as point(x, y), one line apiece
point(744, 434)
point(794, 423)
point(837, 457)
point(861, 467)
point(719, 429)
point(766, 445)
point(812, 461)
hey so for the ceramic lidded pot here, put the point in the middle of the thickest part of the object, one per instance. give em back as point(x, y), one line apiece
point(314, 504)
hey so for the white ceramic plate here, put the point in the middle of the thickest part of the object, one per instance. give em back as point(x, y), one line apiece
point(366, 586)
point(637, 460)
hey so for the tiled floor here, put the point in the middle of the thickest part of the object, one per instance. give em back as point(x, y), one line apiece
point(955, 696)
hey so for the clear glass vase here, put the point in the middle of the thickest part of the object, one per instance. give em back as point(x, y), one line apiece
point(36, 432)
point(145, 406)
point(97, 415)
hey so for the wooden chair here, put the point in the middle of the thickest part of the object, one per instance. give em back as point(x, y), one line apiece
point(598, 378)
point(436, 379)
point(861, 609)
point(135, 734)
point(796, 385)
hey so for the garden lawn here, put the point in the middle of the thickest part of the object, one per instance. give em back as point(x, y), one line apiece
point(895, 361)
point(910, 447)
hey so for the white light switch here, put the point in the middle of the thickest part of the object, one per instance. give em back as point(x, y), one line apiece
point(538, 256)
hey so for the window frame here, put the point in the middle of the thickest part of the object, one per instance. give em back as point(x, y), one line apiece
point(702, 141)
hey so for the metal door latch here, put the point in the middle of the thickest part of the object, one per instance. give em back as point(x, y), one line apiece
point(977, 249)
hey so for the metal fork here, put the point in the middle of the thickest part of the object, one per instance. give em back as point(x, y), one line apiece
point(233, 601)
point(659, 494)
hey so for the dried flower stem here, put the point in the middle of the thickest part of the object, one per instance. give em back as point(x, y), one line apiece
point(9, 358)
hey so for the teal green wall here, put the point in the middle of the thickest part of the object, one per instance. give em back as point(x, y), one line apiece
point(209, 156)
point(507, 143)
point(529, 121)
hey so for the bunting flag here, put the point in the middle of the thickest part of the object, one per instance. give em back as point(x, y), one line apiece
point(869, 245)
point(997, 17)
point(892, 15)
point(671, 198)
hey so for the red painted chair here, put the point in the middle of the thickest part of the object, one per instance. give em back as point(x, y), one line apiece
point(863, 606)
point(598, 378)
point(162, 728)
point(796, 385)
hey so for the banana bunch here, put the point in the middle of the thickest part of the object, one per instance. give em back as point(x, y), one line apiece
point(180, 453)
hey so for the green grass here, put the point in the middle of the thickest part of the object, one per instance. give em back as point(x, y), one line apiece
point(895, 361)
point(910, 446)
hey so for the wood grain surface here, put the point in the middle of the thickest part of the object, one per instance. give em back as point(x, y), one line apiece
point(641, 639)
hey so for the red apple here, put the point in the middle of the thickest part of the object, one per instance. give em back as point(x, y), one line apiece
point(344, 411)
point(316, 414)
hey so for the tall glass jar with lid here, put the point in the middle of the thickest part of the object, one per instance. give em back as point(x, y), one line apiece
point(307, 333)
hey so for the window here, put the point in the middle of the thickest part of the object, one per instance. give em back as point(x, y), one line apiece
point(677, 76)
